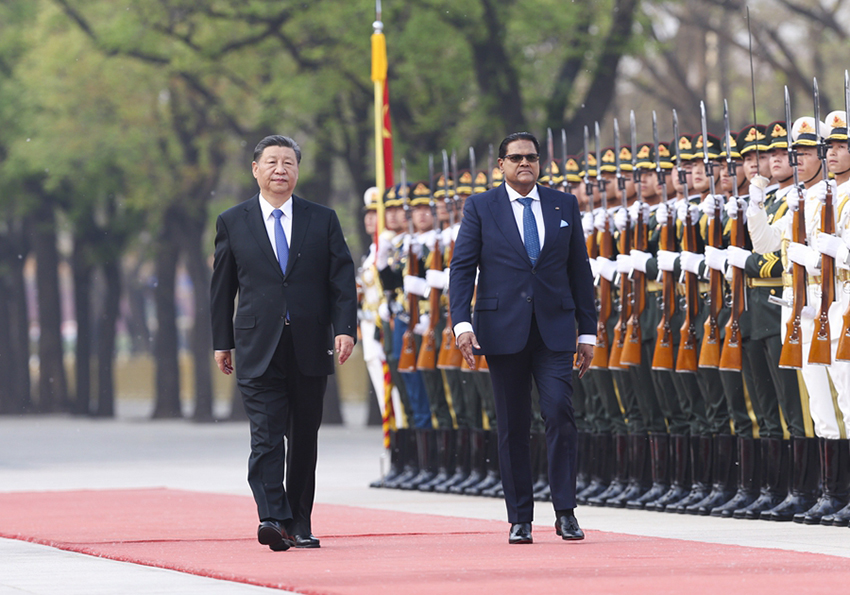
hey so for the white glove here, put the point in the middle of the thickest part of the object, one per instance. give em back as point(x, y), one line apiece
point(690, 261)
point(667, 260)
point(435, 279)
point(587, 224)
point(448, 273)
point(624, 264)
point(384, 311)
point(808, 312)
point(819, 191)
point(831, 246)
point(793, 199)
point(709, 204)
point(639, 260)
point(715, 258)
point(621, 219)
point(421, 327)
point(382, 255)
point(639, 208)
point(737, 257)
point(661, 214)
point(607, 268)
point(416, 286)
point(684, 209)
point(732, 207)
point(594, 267)
point(446, 236)
point(806, 256)
point(757, 193)
point(600, 219)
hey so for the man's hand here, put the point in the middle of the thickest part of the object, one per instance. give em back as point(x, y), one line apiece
point(584, 354)
point(224, 361)
point(343, 344)
point(466, 342)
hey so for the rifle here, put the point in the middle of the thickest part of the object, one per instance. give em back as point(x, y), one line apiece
point(618, 343)
point(820, 353)
point(428, 350)
point(662, 358)
point(407, 359)
point(710, 352)
point(730, 356)
point(450, 357)
point(791, 355)
point(686, 360)
point(602, 354)
point(565, 185)
point(843, 352)
point(631, 355)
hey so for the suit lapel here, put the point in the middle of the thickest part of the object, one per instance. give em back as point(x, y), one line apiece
point(503, 214)
point(301, 217)
point(255, 223)
point(552, 215)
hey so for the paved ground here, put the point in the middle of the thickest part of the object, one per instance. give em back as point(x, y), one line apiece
point(61, 453)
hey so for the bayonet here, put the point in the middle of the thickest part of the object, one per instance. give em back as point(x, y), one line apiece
point(405, 197)
point(792, 152)
point(588, 185)
point(564, 158)
point(709, 166)
point(662, 178)
point(730, 163)
point(621, 181)
point(821, 144)
point(683, 175)
point(635, 170)
point(550, 148)
point(600, 181)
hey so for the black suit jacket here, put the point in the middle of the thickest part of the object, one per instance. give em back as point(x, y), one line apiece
point(318, 289)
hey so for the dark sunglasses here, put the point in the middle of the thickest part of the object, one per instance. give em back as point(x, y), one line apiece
point(517, 158)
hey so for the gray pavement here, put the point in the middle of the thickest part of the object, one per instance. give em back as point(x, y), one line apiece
point(56, 453)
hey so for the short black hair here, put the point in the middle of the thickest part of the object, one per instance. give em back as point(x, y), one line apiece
point(277, 140)
point(503, 148)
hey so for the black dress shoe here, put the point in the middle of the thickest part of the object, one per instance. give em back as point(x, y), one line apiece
point(306, 541)
point(567, 527)
point(272, 534)
point(520, 533)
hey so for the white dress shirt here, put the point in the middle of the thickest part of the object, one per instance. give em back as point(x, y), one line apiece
point(518, 208)
point(285, 221)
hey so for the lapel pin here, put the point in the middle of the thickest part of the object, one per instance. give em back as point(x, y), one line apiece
point(330, 351)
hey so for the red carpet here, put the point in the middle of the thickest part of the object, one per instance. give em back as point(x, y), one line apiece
point(369, 551)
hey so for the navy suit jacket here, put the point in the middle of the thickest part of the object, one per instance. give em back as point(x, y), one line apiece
point(558, 290)
point(318, 289)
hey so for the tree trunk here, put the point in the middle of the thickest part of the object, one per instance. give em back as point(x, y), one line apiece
point(82, 307)
point(106, 339)
point(20, 385)
point(201, 334)
point(52, 386)
point(166, 352)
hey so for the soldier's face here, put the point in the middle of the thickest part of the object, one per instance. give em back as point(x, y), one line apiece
point(780, 168)
point(581, 196)
point(442, 211)
point(423, 220)
point(395, 219)
point(370, 222)
point(838, 157)
point(756, 165)
point(701, 181)
point(688, 168)
point(648, 185)
point(808, 163)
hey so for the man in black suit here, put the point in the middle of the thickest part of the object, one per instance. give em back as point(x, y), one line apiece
point(534, 311)
point(287, 259)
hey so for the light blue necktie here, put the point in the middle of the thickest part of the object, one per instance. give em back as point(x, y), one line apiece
point(529, 229)
point(280, 241)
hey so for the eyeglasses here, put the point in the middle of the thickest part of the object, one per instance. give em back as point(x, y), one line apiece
point(517, 158)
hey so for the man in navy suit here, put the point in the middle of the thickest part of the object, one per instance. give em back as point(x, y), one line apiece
point(287, 260)
point(534, 313)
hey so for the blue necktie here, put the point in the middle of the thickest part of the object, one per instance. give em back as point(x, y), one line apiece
point(280, 241)
point(529, 229)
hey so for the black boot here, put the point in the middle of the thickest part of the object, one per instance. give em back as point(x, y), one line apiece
point(396, 465)
point(775, 455)
point(426, 452)
point(477, 457)
point(640, 472)
point(461, 461)
point(584, 454)
point(681, 457)
point(842, 517)
point(749, 478)
point(701, 448)
point(492, 477)
point(600, 473)
point(723, 476)
point(834, 473)
point(622, 475)
point(805, 474)
point(659, 450)
point(445, 448)
point(407, 451)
